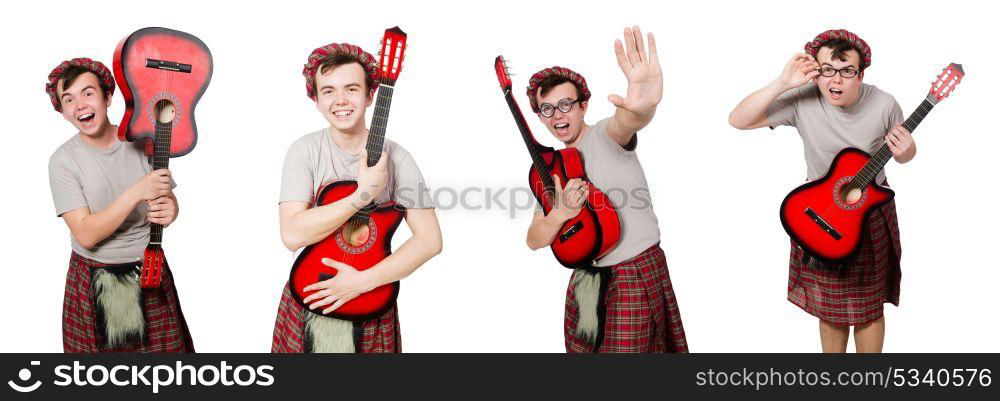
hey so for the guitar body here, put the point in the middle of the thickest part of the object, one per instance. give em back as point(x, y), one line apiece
point(821, 221)
point(593, 232)
point(357, 244)
point(156, 64)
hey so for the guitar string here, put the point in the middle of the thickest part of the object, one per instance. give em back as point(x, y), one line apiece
point(374, 150)
point(162, 151)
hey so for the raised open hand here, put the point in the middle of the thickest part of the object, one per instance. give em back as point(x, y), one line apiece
point(642, 70)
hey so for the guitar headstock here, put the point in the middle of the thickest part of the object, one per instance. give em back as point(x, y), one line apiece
point(503, 73)
point(945, 83)
point(390, 55)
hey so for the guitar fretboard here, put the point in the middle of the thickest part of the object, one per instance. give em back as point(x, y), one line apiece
point(529, 140)
point(882, 156)
point(160, 160)
point(376, 134)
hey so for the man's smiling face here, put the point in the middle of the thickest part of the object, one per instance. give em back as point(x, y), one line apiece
point(84, 103)
point(342, 96)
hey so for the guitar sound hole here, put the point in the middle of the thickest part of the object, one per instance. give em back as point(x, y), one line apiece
point(355, 233)
point(846, 197)
point(852, 196)
point(165, 111)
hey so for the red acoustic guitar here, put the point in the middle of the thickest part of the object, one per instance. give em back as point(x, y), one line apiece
point(365, 238)
point(828, 217)
point(592, 233)
point(162, 74)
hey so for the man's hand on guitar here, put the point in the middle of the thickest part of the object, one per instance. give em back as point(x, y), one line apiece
point(162, 210)
point(901, 144)
point(345, 286)
point(154, 185)
point(569, 200)
point(801, 69)
point(371, 180)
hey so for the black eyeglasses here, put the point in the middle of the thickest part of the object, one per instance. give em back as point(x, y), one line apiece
point(849, 72)
point(547, 110)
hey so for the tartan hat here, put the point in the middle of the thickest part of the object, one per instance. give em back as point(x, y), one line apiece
point(96, 67)
point(319, 55)
point(859, 44)
point(539, 76)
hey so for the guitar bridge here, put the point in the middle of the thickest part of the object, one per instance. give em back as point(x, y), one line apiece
point(168, 65)
point(823, 224)
point(575, 228)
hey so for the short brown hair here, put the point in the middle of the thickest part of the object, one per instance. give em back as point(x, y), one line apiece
point(840, 48)
point(545, 86)
point(338, 59)
point(71, 73)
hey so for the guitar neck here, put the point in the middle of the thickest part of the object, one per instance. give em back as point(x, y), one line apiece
point(380, 118)
point(882, 156)
point(160, 160)
point(530, 142)
point(376, 135)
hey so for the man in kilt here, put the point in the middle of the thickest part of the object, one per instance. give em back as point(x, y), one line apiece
point(624, 302)
point(107, 193)
point(341, 80)
point(821, 94)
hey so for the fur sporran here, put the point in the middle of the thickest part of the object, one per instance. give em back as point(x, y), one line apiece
point(328, 335)
point(119, 306)
point(587, 291)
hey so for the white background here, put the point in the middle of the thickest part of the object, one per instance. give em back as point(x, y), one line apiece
point(716, 190)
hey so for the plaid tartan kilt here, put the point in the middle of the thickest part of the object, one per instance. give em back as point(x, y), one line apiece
point(166, 329)
point(379, 335)
point(851, 294)
point(640, 312)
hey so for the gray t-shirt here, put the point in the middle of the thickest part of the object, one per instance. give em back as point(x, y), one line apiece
point(82, 176)
point(315, 160)
point(827, 129)
point(616, 172)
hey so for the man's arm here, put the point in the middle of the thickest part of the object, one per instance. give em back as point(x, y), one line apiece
point(568, 202)
point(543, 230)
point(645, 86)
point(349, 282)
point(751, 112)
point(89, 229)
point(302, 226)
